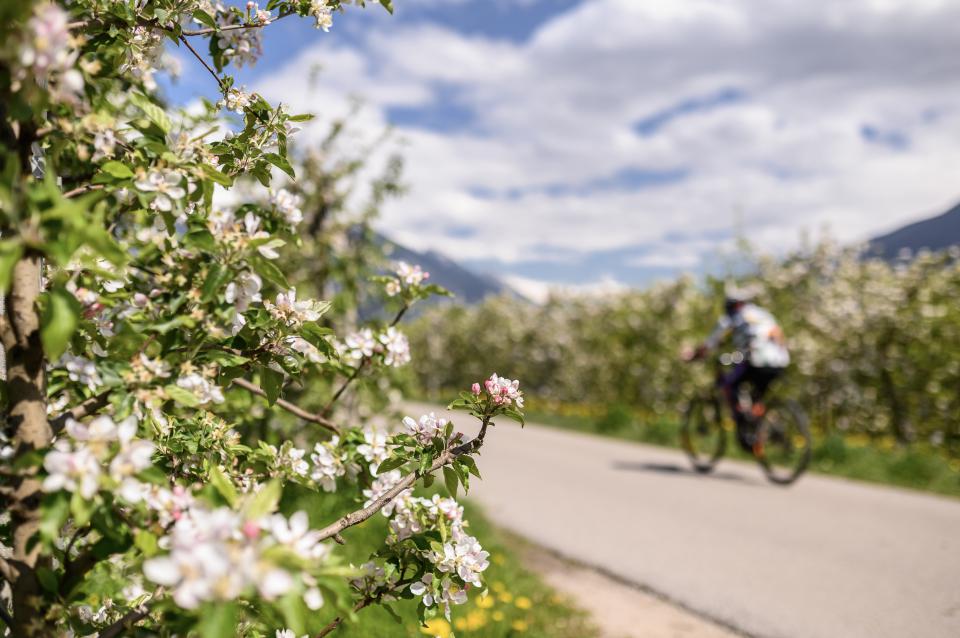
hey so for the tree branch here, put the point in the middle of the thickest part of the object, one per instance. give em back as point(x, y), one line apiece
point(339, 619)
point(203, 61)
point(290, 407)
point(356, 373)
point(83, 189)
point(86, 408)
point(235, 27)
point(128, 620)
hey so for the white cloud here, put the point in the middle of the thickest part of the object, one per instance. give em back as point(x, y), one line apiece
point(559, 111)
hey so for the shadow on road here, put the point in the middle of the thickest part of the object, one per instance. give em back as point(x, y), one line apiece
point(673, 468)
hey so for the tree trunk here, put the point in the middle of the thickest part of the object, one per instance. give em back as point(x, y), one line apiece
point(27, 418)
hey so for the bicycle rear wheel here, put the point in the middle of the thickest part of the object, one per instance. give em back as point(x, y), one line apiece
point(783, 445)
point(702, 434)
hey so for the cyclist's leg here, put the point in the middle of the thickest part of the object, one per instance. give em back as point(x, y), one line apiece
point(731, 390)
point(760, 381)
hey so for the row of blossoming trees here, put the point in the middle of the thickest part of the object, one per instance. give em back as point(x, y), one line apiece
point(153, 338)
point(874, 344)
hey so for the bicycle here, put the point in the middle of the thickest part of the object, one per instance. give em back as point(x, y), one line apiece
point(782, 444)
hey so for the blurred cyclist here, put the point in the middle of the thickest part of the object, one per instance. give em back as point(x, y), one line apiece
point(761, 356)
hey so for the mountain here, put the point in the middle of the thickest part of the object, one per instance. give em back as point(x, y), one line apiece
point(468, 286)
point(935, 233)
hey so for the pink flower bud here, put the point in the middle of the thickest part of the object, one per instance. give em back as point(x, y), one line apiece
point(475, 388)
point(251, 529)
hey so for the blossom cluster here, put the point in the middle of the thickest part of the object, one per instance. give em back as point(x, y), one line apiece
point(364, 344)
point(500, 390)
point(48, 54)
point(75, 463)
point(406, 276)
point(218, 554)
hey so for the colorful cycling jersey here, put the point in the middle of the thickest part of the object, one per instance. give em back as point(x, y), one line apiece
point(754, 332)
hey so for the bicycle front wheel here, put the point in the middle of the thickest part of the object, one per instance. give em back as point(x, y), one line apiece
point(702, 434)
point(783, 445)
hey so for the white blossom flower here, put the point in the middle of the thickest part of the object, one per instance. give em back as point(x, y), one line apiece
point(304, 347)
point(322, 13)
point(48, 54)
point(241, 293)
point(288, 205)
point(81, 370)
point(292, 312)
point(426, 429)
point(236, 100)
point(104, 145)
point(296, 534)
point(165, 183)
point(397, 347)
point(202, 388)
point(72, 469)
point(327, 466)
point(359, 344)
point(374, 449)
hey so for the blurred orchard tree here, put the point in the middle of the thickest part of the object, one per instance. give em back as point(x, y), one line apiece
point(148, 323)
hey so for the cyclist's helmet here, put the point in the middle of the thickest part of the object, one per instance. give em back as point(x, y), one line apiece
point(735, 295)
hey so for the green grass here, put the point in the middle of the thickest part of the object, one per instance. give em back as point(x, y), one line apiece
point(518, 604)
point(917, 467)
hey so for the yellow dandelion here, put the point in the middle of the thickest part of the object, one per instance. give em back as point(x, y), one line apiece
point(523, 603)
point(497, 586)
point(498, 616)
point(460, 623)
point(505, 597)
point(519, 625)
point(436, 628)
point(485, 602)
point(476, 619)
point(498, 559)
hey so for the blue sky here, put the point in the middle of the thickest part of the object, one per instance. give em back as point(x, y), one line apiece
point(603, 143)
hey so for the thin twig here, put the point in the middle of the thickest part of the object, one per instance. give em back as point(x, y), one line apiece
point(128, 620)
point(333, 624)
point(290, 407)
point(234, 27)
point(356, 373)
point(86, 408)
point(202, 61)
point(83, 189)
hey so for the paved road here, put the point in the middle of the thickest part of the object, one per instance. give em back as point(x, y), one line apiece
point(825, 558)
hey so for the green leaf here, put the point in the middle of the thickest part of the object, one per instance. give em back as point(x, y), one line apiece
point(303, 117)
point(271, 381)
point(205, 18)
point(294, 612)
point(81, 509)
point(54, 512)
point(223, 485)
point(226, 359)
point(215, 280)
point(217, 176)
point(387, 4)
point(116, 169)
point(391, 464)
point(61, 316)
point(393, 614)
point(218, 621)
point(48, 580)
point(181, 395)
point(280, 162)
point(471, 465)
point(154, 112)
point(264, 502)
point(146, 542)
point(10, 252)
point(450, 480)
point(269, 271)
